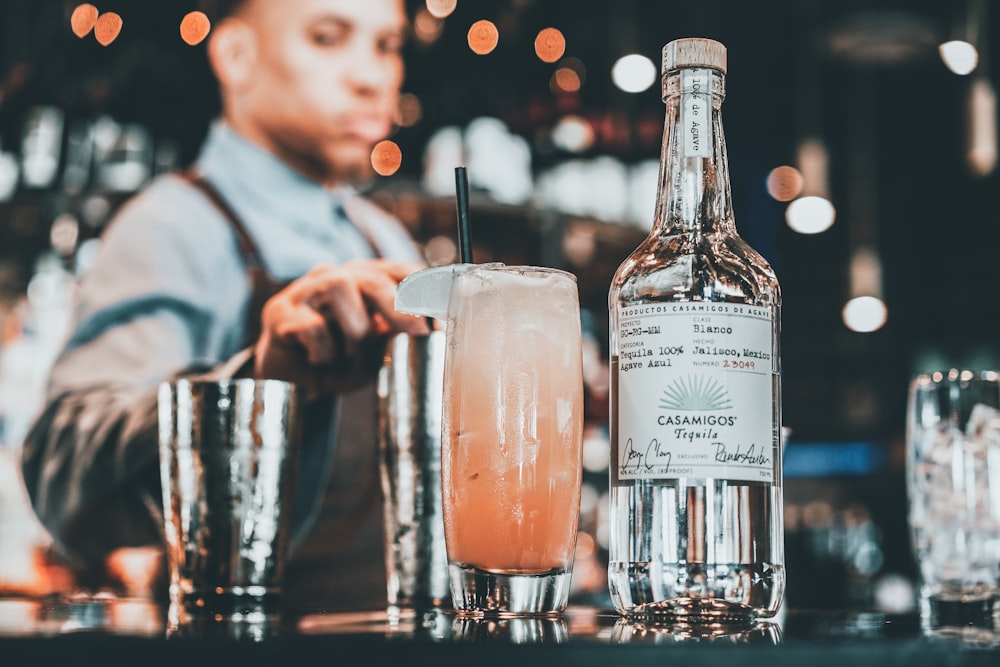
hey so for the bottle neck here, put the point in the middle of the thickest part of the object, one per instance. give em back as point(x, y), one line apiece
point(693, 195)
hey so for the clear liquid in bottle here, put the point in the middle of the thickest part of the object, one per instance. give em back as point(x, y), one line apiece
point(696, 501)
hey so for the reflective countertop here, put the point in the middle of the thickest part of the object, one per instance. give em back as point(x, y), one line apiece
point(108, 630)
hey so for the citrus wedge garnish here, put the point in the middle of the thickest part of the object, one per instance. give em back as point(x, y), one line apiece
point(426, 292)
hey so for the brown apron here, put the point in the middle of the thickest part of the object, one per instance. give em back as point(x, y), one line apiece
point(340, 564)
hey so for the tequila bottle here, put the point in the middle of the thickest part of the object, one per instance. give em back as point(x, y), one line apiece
point(696, 507)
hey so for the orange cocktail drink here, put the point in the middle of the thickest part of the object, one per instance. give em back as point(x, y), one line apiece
point(512, 437)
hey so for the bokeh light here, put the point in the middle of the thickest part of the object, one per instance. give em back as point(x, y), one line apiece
point(483, 37)
point(107, 28)
point(573, 133)
point(195, 27)
point(550, 45)
point(569, 76)
point(589, 498)
point(410, 111)
point(959, 56)
point(981, 128)
point(83, 19)
point(596, 452)
point(64, 234)
point(386, 158)
point(440, 250)
point(865, 314)
point(566, 80)
point(784, 183)
point(634, 73)
point(810, 215)
point(441, 8)
point(585, 545)
point(427, 28)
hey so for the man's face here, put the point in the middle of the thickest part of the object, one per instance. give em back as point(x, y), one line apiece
point(326, 83)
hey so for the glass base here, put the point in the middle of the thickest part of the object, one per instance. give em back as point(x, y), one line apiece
point(628, 631)
point(478, 593)
point(949, 610)
point(694, 611)
point(513, 630)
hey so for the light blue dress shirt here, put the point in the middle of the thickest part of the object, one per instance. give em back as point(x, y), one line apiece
point(167, 297)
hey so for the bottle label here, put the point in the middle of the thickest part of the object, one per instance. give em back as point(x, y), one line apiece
point(695, 392)
point(696, 112)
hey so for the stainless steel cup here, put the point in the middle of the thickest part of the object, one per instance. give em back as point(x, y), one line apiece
point(229, 456)
point(410, 390)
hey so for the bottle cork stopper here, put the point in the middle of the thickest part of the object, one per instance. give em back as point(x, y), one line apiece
point(694, 52)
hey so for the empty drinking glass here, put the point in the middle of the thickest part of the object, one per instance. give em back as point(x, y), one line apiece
point(953, 485)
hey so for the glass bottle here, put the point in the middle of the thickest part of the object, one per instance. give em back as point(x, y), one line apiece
point(696, 503)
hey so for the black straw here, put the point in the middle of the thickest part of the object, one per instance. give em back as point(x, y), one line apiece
point(462, 193)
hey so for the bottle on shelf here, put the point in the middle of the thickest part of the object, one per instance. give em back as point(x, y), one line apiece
point(695, 404)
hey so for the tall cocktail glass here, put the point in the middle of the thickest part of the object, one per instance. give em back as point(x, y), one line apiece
point(511, 438)
point(953, 484)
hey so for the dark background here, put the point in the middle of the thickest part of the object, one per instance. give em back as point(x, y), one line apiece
point(864, 76)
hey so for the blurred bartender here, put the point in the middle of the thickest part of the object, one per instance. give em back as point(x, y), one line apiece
point(260, 260)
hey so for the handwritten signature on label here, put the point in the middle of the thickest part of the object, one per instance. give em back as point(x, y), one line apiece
point(656, 457)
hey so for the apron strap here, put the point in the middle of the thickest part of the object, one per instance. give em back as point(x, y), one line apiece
point(262, 285)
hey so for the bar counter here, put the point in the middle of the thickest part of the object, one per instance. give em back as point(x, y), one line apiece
point(138, 633)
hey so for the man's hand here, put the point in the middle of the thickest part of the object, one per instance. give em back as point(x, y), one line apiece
point(326, 331)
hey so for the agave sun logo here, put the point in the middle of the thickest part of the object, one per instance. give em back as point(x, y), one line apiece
point(695, 392)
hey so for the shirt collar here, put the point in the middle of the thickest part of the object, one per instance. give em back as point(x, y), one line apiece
point(258, 185)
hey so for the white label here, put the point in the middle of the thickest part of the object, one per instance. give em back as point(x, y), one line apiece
point(696, 112)
point(695, 393)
